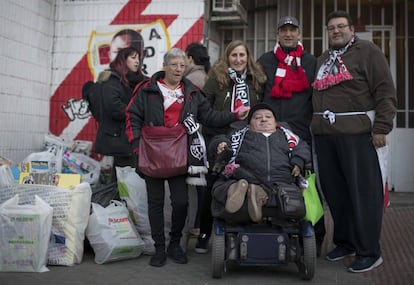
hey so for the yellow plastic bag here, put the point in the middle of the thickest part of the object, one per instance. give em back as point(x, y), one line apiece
point(314, 208)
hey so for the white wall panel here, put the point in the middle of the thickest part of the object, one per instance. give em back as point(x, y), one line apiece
point(26, 45)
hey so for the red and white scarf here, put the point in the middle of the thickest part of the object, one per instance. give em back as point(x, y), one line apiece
point(291, 138)
point(333, 71)
point(290, 76)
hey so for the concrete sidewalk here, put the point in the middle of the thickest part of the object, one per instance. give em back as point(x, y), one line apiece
point(398, 267)
point(197, 271)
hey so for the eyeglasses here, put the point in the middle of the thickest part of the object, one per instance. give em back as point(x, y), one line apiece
point(176, 65)
point(339, 27)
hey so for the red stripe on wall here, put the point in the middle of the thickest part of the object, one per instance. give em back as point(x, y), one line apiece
point(71, 86)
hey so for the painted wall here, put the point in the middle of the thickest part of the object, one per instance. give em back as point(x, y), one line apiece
point(26, 40)
point(51, 48)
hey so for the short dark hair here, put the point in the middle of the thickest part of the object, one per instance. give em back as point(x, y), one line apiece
point(339, 14)
point(199, 54)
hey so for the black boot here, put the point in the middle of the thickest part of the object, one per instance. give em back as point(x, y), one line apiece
point(159, 258)
point(176, 253)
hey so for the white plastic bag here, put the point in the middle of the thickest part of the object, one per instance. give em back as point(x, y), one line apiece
point(132, 189)
point(55, 141)
point(45, 161)
point(382, 153)
point(81, 164)
point(112, 234)
point(82, 146)
point(71, 209)
point(24, 235)
point(6, 175)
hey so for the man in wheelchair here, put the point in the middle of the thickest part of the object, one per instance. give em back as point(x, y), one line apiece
point(263, 154)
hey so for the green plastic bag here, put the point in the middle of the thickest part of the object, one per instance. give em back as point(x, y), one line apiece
point(314, 208)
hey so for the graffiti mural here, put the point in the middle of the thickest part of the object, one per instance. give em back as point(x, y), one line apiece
point(161, 27)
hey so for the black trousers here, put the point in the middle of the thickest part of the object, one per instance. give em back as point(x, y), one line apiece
point(123, 161)
point(351, 181)
point(179, 203)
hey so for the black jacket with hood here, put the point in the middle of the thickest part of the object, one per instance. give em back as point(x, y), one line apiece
point(111, 138)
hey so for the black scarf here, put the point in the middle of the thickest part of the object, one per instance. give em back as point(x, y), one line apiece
point(197, 155)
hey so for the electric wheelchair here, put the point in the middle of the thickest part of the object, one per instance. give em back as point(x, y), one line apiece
point(276, 241)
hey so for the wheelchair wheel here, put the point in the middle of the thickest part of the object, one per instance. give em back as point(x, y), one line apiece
point(307, 263)
point(217, 255)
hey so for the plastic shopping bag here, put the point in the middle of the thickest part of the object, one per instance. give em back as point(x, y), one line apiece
point(71, 209)
point(6, 175)
point(314, 208)
point(24, 235)
point(382, 153)
point(111, 233)
point(49, 160)
point(81, 164)
point(132, 189)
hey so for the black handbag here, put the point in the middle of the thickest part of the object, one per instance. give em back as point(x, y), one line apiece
point(290, 200)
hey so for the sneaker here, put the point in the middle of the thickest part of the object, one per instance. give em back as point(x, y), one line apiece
point(236, 195)
point(176, 253)
point(257, 197)
point(365, 263)
point(158, 259)
point(202, 244)
point(339, 253)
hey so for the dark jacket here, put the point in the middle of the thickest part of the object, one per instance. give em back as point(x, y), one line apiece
point(268, 157)
point(110, 137)
point(297, 111)
point(220, 100)
point(371, 88)
point(146, 107)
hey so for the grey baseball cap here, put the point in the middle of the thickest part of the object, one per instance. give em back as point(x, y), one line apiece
point(288, 20)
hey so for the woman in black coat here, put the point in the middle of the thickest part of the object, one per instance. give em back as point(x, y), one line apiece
point(118, 83)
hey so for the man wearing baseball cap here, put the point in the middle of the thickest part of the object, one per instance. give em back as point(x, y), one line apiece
point(288, 20)
point(290, 71)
